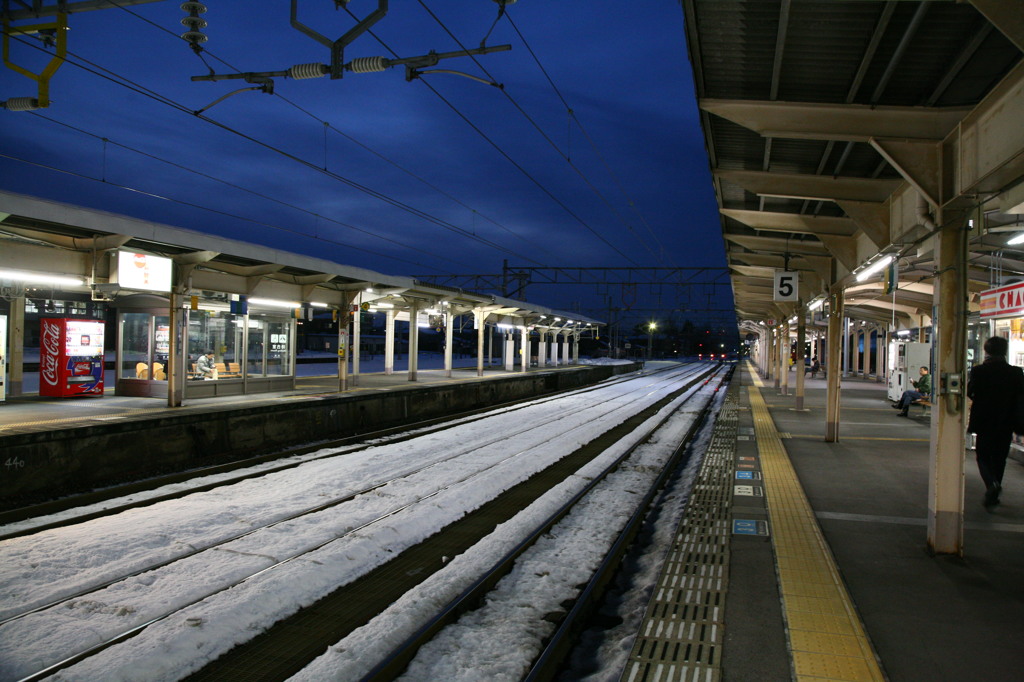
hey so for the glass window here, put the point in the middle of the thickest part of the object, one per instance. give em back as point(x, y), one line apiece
point(269, 347)
point(145, 346)
point(220, 333)
point(135, 348)
point(278, 347)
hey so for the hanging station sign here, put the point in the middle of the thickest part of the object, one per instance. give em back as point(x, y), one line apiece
point(1003, 301)
point(787, 285)
point(143, 271)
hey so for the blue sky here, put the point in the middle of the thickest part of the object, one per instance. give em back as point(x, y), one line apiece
point(457, 176)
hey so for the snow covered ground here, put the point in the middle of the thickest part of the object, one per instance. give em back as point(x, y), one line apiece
point(191, 610)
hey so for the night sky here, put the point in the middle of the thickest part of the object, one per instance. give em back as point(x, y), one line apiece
point(591, 155)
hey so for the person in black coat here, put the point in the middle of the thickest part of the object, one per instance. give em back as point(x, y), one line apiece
point(994, 387)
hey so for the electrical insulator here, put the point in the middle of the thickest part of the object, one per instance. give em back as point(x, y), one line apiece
point(21, 104)
point(368, 64)
point(195, 23)
point(300, 71)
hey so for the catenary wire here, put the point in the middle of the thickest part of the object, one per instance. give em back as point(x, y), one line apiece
point(131, 85)
point(600, 195)
point(340, 133)
point(593, 145)
point(501, 151)
point(190, 204)
point(261, 195)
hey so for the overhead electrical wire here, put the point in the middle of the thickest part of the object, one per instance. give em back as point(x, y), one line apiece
point(207, 176)
point(337, 131)
point(593, 145)
point(497, 147)
point(548, 139)
point(131, 85)
point(190, 204)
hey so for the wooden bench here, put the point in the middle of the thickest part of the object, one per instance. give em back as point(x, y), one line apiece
point(231, 370)
point(926, 404)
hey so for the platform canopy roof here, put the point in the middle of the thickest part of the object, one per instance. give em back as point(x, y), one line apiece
point(42, 236)
point(839, 133)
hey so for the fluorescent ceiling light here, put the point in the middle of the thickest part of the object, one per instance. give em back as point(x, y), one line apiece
point(315, 304)
point(273, 303)
point(382, 305)
point(873, 268)
point(41, 278)
point(816, 303)
point(1016, 240)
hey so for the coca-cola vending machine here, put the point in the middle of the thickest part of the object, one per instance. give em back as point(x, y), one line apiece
point(70, 357)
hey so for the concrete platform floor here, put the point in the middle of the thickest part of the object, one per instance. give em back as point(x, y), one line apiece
point(928, 617)
point(31, 412)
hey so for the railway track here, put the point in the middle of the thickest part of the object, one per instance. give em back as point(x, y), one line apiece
point(359, 529)
point(116, 499)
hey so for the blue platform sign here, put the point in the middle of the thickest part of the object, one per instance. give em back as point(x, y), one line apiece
point(744, 474)
point(749, 527)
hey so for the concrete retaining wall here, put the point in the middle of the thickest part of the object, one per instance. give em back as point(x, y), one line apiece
point(79, 459)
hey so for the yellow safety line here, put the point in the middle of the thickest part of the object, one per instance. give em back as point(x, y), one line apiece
point(845, 437)
point(80, 418)
point(826, 638)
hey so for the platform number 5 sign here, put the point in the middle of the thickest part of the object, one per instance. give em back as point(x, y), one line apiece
point(787, 286)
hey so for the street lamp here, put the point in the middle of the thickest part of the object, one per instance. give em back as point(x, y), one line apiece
point(650, 339)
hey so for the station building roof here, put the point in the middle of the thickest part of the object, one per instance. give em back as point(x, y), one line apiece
point(842, 132)
point(42, 236)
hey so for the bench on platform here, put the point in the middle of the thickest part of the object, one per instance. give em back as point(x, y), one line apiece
point(231, 370)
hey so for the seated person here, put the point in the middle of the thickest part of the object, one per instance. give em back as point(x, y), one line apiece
point(205, 365)
point(922, 389)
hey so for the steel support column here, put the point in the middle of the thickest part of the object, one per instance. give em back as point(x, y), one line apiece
point(946, 453)
point(784, 357)
point(480, 318)
point(356, 341)
point(448, 323)
point(16, 350)
point(389, 341)
point(836, 336)
point(414, 340)
point(509, 351)
point(801, 338)
point(524, 348)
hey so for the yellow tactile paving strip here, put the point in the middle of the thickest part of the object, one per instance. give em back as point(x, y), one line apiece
point(83, 418)
point(826, 638)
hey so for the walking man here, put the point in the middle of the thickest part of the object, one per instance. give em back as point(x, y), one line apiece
point(994, 386)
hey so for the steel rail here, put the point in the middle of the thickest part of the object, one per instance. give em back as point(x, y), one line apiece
point(547, 665)
point(347, 497)
point(383, 436)
point(393, 664)
point(127, 634)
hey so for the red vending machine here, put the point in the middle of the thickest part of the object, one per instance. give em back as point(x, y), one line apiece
point(70, 357)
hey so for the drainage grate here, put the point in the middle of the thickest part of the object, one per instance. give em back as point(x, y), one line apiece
point(682, 632)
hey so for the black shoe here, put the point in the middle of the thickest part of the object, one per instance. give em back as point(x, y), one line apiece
point(896, 406)
point(902, 414)
point(992, 496)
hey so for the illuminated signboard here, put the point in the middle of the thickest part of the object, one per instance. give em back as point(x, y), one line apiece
point(1005, 301)
point(142, 271)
